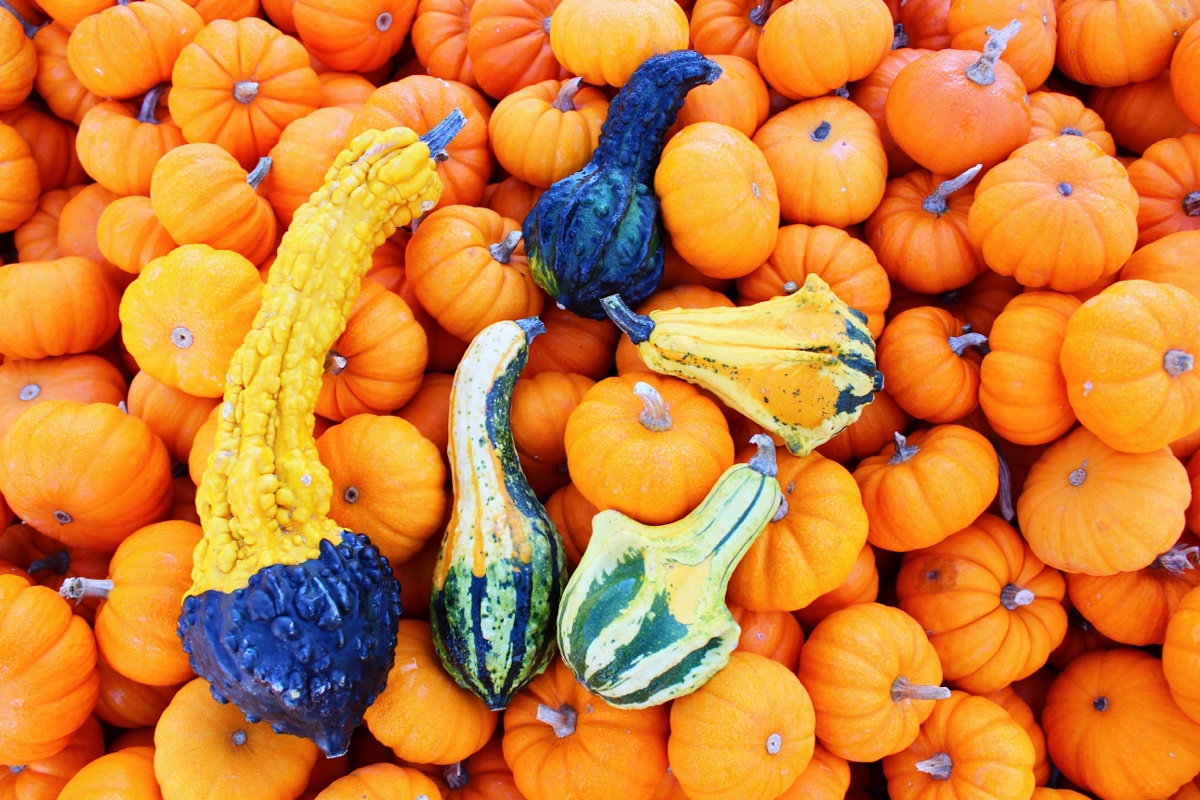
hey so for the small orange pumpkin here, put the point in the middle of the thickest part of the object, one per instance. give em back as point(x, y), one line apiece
point(541, 406)
point(509, 45)
point(1166, 260)
point(131, 769)
point(125, 703)
point(1022, 714)
point(439, 36)
point(580, 31)
point(381, 782)
point(119, 145)
point(301, 157)
point(52, 143)
point(353, 38)
point(774, 634)
point(45, 778)
point(1167, 180)
point(545, 132)
point(54, 308)
point(1141, 113)
point(37, 237)
point(870, 94)
point(173, 415)
point(19, 182)
point(739, 98)
point(573, 343)
point(827, 777)
point(572, 514)
point(1053, 115)
point(1185, 67)
point(55, 82)
point(931, 363)
point(860, 587)
point(1103, 44)
point(24, 383)
point(871, 431)
point(130, 236)
point(1030, 53)
point(1181, 654)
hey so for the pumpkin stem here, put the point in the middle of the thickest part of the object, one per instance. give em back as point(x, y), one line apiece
point(790, 287)
point(60, 562)
point(904, 450)
point(1005, 493)
point(1191, 204)
point(760, 13)
point(502, 251)
point(1077, 477)
point(903, 690)
point(259, 173)
point(335, 362)
point(245, 91)
point(1178, 559)
point(774, 743)
point(29, 28)
point(635, 326)
point(455, 775)
point(842, 92)
point(822, 132)
point(239, 737)
point(546, 25)
point(959, 344)
point(533, 327)
point(1013, 597)
point(939, 767)
point(182, 338)
point(655, 416)
point(1068, 131)
point(983, 71)
point(440, 135)
point(78, 588)
point(566, 95)
point(899, 37)
point(148, 113)
point(936, 203)
point(383, 22)
point(29, 391)
point(1177, 362)
point(763, 461)
point(1100, 704)
point(561, 719)
point(62, 517)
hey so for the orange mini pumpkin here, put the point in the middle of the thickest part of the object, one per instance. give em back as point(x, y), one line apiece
point(429, 410)
point(774, 634)
point(512, 198)
point(870, 94)
point(52, 143)
point(37, 237)
point(381, 782)
point(439, 36)
point(301, 157)
point(1021, 386)
point(468, 269)
point(129, 235)
point(45, 778)
point(729, 27)
point(1053, 115)
point(1128, 358)
point(419, 690)
point(1167, 180)
point(1081, 489)
point(953, 109)
point(827, 777)
point(239, 84)
point(129, 771)
point(373, 460)
point(809, 548)
point(919, 231)
point(375, 366)
point(931, 363)
point(1104, 43)
point(746, 733)
point(1185, 67)
point(55, 82)
point(1166, 260)
point(992, 609)
point(1120, 693)
point(827, 159)
point(1181, 654)
point(541, 406)
point(1030, 53)
point(545, 132)
point(1022, 714)
point(581, 32)
point(873, 677)
point(810, 48)
point(119, 145)
point(48, 658)
point(562, 741)
point(739, 98)
point(24, 383)
point(573, 344)
point(871, 431)
point(1142, 113)
point(1065, 191)
point(353, 38)
point(627, 435)
point(55, 308)
point(860, 587)
point(19, 182)
point(125, 703)
point(572, 514)
point(970, 746)
point(173, 415)
point(509, 45)
point(927, 486)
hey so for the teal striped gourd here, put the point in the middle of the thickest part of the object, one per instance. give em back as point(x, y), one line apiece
point(501, 568)
point(643, 619)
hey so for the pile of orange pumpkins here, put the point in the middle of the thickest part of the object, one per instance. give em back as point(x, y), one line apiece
point(986, 587)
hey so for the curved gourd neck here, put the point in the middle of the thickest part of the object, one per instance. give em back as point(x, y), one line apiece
point(641, 113)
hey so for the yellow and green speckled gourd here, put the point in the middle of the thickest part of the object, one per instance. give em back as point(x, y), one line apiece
point(291, 617)
point(501, 568)
point(801, 365)
point(643, 619)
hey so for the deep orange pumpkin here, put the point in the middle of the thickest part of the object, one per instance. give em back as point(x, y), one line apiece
point(541, 405)
point(509, 45)
point(1167, 180)
point(931, 363)
point(301, 157)
point(24, 383)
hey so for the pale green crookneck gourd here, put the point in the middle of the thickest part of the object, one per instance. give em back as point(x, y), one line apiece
point(643, 619)
point(291, 617)
point(501, 568)
point(801, 365)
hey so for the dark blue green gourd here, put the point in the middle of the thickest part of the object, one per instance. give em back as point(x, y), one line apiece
point(597, 232)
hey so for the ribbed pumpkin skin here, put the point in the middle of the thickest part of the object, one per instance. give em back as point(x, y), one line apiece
point(502, 567)
point(619, 249)
point(643, 619)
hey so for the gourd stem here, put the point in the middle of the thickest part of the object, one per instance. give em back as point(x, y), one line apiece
point(790, 287)
point(1004, 494)
point(763, 461)
point(566, 95)
point(79, 588)
point(29, 28)
point(1191, 204)
point(245, 91)
point(456, 776)
point(904, 450)
point(239, 737)
point(1178, 559)
point(1177, 362)
point(782, 511)
point(760, 13)
point(903, 690)
point(939, 767)
point(440, 135)
point(533, 327)
point(899, 36)
point(562, 719)
point(259, 173)
point(148, 113)
point(655, 415)
point(635, 326)
point(983, 71)
point(502, 251)
point(936, 203)
point(959, 344)
point(60, 562)
point(1013, 597)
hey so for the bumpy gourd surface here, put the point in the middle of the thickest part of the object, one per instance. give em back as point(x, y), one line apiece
point(265, 495)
